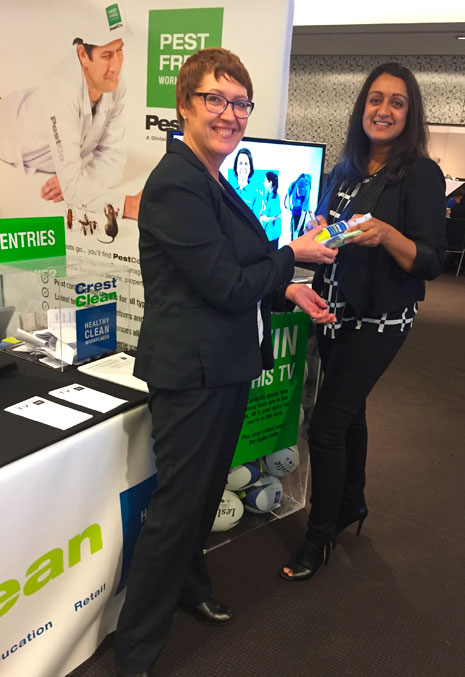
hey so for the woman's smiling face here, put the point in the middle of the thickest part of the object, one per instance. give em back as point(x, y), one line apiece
point(213, 136)
point(243, 165)
point(386, 110)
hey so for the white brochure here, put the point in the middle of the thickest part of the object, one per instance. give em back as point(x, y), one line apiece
point(44, 411)
point(117, 369)
point(87, 397)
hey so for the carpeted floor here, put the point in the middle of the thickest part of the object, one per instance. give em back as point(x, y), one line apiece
point(391, 602)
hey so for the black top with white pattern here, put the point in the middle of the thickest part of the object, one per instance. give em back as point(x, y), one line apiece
point(388, 323)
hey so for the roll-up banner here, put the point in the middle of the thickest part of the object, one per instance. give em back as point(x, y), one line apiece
point(80, 133)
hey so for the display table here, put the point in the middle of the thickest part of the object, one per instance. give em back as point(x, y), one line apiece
point(72, 504)
point(70, 513)
point(21, 379)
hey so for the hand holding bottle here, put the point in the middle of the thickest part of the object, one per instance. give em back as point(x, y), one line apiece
point(307, 250)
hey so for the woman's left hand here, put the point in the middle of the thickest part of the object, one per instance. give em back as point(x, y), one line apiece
point(309, 301)
point(375, 232)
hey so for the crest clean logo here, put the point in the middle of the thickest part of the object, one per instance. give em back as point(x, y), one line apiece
point(175, 34)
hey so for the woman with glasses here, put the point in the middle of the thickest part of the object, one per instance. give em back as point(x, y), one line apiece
point(210, 279)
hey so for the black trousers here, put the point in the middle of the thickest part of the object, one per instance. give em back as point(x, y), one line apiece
point(352, 364)
point(195, 433)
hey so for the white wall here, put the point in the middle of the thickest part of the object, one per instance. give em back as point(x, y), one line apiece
point(339, 12)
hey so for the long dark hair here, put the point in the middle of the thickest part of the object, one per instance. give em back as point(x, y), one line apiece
point(407, 148)
point(272, 177)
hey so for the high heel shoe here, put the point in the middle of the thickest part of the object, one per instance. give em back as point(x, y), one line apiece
point(348, 517)
point(306, 561)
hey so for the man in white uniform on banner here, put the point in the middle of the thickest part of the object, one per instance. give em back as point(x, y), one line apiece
point(72, 126)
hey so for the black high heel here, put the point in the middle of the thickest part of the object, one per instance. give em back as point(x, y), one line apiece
point(307, 561)
point(348, 517)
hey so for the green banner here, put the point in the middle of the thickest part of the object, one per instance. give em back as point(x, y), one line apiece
point(38, 237)
point(175, 34)
point(272, 417)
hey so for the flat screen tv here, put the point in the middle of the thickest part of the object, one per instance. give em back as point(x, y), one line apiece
point(297, 168)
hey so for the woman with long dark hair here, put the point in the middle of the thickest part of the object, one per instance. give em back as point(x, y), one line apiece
point(373, 287)
point(270, 213)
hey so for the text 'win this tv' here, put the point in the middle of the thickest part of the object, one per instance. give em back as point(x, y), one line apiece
point(280, 181)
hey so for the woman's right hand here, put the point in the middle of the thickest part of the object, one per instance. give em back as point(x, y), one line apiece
point(307, 250)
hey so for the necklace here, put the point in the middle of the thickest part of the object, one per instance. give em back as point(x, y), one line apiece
point(376, 168)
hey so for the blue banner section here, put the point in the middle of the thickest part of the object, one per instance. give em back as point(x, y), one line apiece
point(95, 330)
point(134, 503)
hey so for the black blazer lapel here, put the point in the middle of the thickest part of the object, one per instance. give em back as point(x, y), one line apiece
point(180, 148)
point(231, 196)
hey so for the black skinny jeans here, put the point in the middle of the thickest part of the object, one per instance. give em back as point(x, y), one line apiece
point(352, 364)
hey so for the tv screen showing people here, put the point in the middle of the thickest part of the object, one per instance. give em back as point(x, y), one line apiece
point(279, 180)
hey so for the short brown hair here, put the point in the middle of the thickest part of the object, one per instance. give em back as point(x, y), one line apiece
point(216, 60)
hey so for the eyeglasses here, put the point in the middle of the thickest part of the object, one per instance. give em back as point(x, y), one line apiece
point(216, 103)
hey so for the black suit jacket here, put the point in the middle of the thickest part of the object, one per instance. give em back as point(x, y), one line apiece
point(205, 263)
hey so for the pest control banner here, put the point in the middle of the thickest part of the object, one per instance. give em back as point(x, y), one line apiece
point(66, 153)
point(175, 34)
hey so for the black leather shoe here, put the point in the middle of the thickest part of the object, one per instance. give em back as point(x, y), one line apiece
point(211, 611)
point(123, 673)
